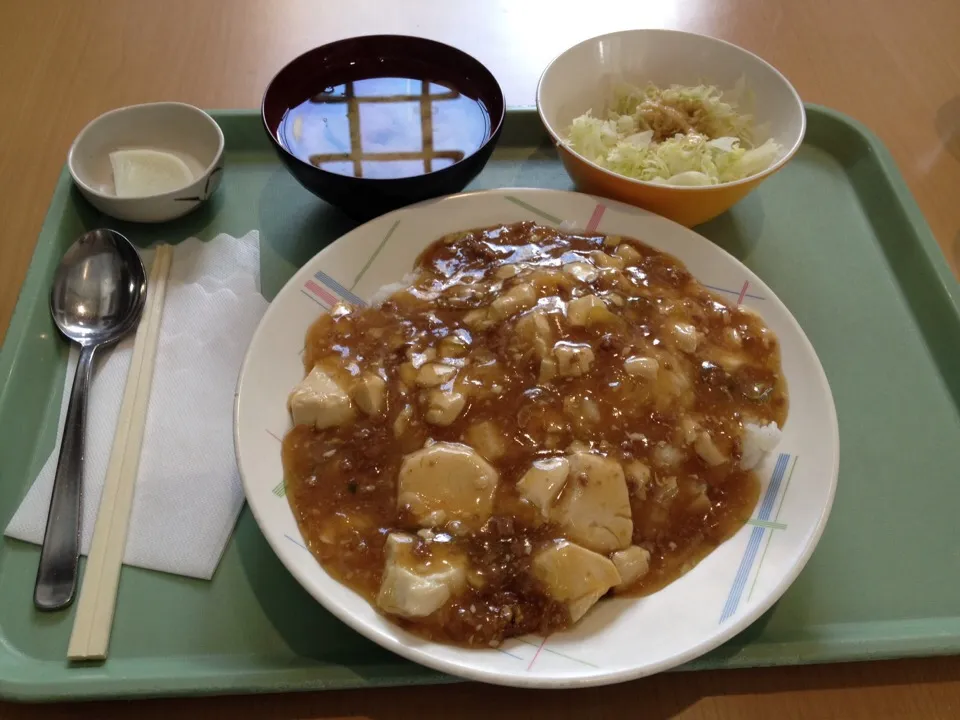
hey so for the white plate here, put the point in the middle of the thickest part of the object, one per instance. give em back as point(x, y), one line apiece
point(619, 639)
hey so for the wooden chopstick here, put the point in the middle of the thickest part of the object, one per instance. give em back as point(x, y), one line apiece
point(98, 593)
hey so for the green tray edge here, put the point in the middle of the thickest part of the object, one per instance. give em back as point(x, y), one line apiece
point(935, 636)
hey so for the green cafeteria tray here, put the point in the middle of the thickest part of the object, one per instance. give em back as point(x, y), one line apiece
point(836, 234)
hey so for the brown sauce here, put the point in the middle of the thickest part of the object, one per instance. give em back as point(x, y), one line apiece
point(342, 481)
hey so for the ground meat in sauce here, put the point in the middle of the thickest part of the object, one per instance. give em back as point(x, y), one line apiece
point(718, 367)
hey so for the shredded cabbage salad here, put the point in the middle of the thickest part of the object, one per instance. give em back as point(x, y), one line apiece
point(673, 136)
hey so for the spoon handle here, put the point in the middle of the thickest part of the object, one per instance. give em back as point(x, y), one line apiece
point(57, 574)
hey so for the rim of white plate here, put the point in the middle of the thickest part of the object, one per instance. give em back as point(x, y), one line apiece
point(483, 665)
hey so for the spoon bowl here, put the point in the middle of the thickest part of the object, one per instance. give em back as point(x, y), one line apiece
point(97, 297)
point(98, 289)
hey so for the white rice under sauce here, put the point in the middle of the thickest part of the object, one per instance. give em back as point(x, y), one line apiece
point(758, 440)
point(384, 293)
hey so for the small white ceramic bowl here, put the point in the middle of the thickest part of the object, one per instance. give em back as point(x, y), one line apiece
point(177, 128)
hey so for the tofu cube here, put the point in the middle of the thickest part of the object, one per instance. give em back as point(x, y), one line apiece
point(587, 310)
point(645, 367)
point(594, 507)
point(574, 576)
point(573, 359)
point(541, 484)
point(632, 564)
point(517, 299)
point(407, 588)
point(369, 394)
point(320, 401)
point(443, 406)
point(447, 481)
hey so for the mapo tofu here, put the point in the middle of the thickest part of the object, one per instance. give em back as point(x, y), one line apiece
point(537, 420)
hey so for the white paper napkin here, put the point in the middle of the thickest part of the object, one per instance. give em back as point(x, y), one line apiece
point(188, 492)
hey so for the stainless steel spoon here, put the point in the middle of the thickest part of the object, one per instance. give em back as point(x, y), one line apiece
point(97, 297)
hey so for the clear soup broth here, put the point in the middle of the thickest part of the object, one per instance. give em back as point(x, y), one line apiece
point(385, 127)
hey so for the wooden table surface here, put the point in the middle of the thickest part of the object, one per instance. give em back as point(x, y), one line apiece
point(894, 65)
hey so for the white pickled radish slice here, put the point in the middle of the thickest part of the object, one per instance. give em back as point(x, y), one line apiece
point(140, 173)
